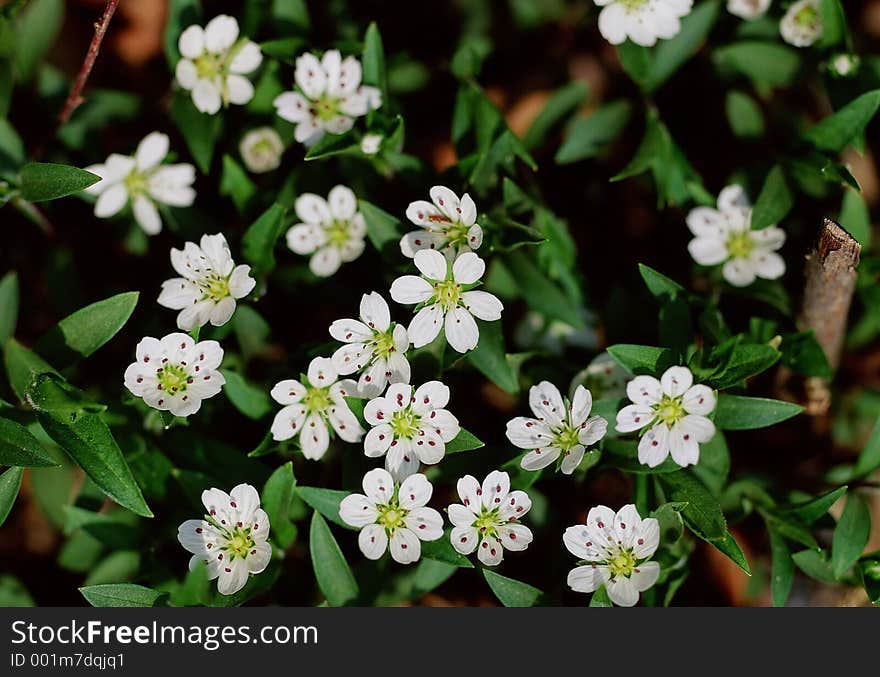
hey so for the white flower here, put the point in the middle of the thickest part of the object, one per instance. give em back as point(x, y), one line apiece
point(445, 299)
point(410, 427)
point(329, 98)
point(143, 180)
point(615, 550)
point(374, 345)
point(311, 410)
point(261, 149)
point(676, 412)
point(802, 24)
point(603, 377)
point(560, 429)
point(175, 373)
point(210, 283)
point(371, 143)
point(748, 9)
point(388, 513)
point(725, 236)
point(214, 62)
point(486, 518)
point(642, 21)
point(232, 539)
point(332, 230)
point(449, 225)
point(843, 65)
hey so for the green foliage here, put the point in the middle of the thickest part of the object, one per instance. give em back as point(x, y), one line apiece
point(123, 595)
point(510, 592)
point(41, 181)
point(332, 573)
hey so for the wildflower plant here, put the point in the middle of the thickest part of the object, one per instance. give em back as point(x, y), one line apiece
point(449, 317)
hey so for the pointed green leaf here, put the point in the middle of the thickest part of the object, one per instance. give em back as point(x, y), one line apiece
point(510, 592)
point(331, 570)
point(774, 202)
point(737, 412)
point(490, 357)
point(851, 534)
point(641, 359)
point(123, 595)
point(10, 483)
point(19, 447)
point(325, 501)
point(383, 229)
point(464, 441)
point(809, 511)
point(275, 499)
point(42, 181)
point(258, 243)
point(251, 401)
point(835, 132)
point(8, 306)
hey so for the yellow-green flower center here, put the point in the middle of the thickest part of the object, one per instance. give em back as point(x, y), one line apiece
point(632, 4)
point(325, 108)
point(447, 294)
point(405, 423)
point(622, 564)
point(457, 234)
point(240, 543)
point(566, 438)
point(391, 516)
point(173, 378)
point(208, 65)
point(316, 400)
point(337, 233)
point(669, 410)
point(807, 17)
point(488, 521)
point(135, 183)
point(215, 287)
point(382, 344)
point(740, 245)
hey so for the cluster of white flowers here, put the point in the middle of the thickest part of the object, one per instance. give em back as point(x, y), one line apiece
point(142, 181)
point(642, 21)
point(725, 236)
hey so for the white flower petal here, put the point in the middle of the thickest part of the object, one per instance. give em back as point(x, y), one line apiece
point(378, 486)
point(431, 264)
point(425, 523)
point(357, 510)
point(766, 264)
point(410, 289)
point(699, 399)
point(592, 430)
point(191, 42)
point(581, 404)
point(239, 89)
point(247, 59)
point(464, 539)
point(151, 150)
point(206, 96)
point(146, 214)
point(708, 251)
point(221, 32)
point(654, 446)
point(495, 488)
point(738, 273)
point(490, 552)
point(111, 201)
point(482, 305)
point(325, 261)
point(644, 390)
point(405, 547)
point(612, 23)
point(468, 268)
point(571, 459)
point(699, 427)
point(622, 592)
point(289, 391)
point(373, 541)
point(288, 422)
point(314, 437)
point(676, 380)
point(342, 203)
point(425, 326)
point(528, 433)
point(587, 578)
point(461, 330)
point(447, 202)
point(539, 458)
point(546, 403)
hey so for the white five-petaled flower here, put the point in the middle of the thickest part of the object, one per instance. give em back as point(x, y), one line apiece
point(676, 412)
point(374, 346)
point(725, 236)
point(143, 180)
point(802, 24)
point(486, 518)
point(615, 550)
point(332, 230)
point(310, 410)
point(444, 293)
point(642, 21)
point(410, 427)
point(175, 373)
point(748, 9)
point(392, 516)
point(261, 149)
point(449, 225)
point(559, 429)
point(214, 63)
point(329, 98)
point(210, 283)
point(232, 539)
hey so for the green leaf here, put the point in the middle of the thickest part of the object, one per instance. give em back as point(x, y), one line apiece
point(744, 360)
point(374, 61)
point(250, 400)
point(19, 447)
point(636, 61)
point(802, 353)
point(510, 592)
point(490, 357)
point(668, 516)
point(600, 599)
point(10, 483)
point(702, 514)
point(869, 459)
point(275, 499)
point(669, 55)
point(714, 465)
point(869, 571)
point(199, 130)
point(730, 547)
point(88, 441)
point(383, 229)
point(540, 293)
point(8, 306)
point(36, 30)
point(123, 595)
point(331, 570)
point(325, 501)
point(81, 333)
point(42, 181)
point(766, 64)
point(836, 131)
point(781, 568)
point(774, 202)
point(464, 441)
point(809, 511)
point(641, 359)
point(744, 115)
point(851, 534)
point(833, 20)
point(658, 284)
point(854, 217)
point(117, 567)
point(291, 14)
point(284, 49)
point(441, 550)
point(13, 594)
point(258, 242)
point(815, 564)
point(736, 412)
point(563, 103)
point(22, 365)
point(236, 184)
point(588, 137)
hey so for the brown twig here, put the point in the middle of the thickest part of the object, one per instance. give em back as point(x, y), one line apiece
point(830, 282)
point(75, 98)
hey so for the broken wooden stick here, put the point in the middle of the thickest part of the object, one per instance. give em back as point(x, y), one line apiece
point(830, 282)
